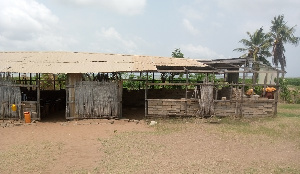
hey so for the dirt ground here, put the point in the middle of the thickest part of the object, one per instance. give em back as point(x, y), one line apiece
point(172, 146)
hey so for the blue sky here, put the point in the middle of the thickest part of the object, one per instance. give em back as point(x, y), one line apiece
point(201, 29)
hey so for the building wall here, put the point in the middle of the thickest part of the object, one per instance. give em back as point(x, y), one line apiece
point(250, 107)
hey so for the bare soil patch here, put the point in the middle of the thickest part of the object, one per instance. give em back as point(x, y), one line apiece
point(171, 146)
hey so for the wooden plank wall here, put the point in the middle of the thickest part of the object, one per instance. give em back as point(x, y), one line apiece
point(9, 95)
point(97, 99)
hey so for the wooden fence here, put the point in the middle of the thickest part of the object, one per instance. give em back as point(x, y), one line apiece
point(9, 95)
point(98, 99)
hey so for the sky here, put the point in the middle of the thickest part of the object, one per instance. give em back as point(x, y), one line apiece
point(202, 29)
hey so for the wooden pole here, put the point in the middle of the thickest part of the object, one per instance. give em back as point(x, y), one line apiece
point(38, 93)
point(276, 94)
point(30, 81)
point(242, 92)
point(265, 84)
point(54, 82)
point(146, 96)
point(186, 90)
point(153, 81)
point(72, 79)
point(120, 96)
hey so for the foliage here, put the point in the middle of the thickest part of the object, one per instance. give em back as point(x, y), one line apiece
point(165, 76)
point(177, 53)
point(259, 43)
point(47, 81)
point(295, 95)
point(134, 82)
point(61, 80)
point(285, 93)
point(281, 34)
point(257, 46)
point(293, 81)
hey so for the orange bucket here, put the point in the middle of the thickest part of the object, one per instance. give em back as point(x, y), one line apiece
point(27, 117)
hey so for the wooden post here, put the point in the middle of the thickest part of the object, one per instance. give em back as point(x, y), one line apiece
point(38, 93)
point(30, 81)
point(265, 84)
point(54, 82)
point(120, 96)
point(146, 96)
point(186, 89)
point(153, 80)
point(72, 79)
point(243, 90)
point(276, 94)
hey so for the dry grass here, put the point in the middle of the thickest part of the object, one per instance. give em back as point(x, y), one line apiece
point(30, 157)
point(195, 146)
point(261, 145)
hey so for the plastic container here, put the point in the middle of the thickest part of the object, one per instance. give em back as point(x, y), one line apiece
point(27, 117)
point(14, 107)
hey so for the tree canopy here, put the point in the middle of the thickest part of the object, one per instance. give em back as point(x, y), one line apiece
point(177, 53)
point(259, 43)
point(281, 34)
point(257, 46)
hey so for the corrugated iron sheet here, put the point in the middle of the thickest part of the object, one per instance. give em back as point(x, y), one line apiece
point(79, 62)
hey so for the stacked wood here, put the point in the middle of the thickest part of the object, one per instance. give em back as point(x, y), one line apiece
point(258, 108)
point(249, 108)
point(166, 107)
point(225, 108)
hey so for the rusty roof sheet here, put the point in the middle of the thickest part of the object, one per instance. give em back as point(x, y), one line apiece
point(81, 62)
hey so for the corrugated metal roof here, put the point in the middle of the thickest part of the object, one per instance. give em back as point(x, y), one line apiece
point(80, 62)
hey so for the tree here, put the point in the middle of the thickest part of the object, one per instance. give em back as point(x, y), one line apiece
point(257, 46)
point(177, 53)
point(281, 34)
point(164, 76)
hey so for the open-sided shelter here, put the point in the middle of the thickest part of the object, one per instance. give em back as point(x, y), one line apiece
point(94, 87)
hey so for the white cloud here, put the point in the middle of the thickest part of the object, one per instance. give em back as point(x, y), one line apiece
point(110, 40)
point(127, 7)
point(29, 25)
point(201, 52)
point(190, 13)
point(258, 8)
point(187, 24)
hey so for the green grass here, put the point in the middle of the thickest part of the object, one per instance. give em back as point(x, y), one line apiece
point(289, 110)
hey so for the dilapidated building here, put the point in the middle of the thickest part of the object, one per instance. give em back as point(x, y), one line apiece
point(94, 86)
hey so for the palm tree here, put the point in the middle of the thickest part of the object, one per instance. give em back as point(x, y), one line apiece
point(281, 34)
point(257, 46)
